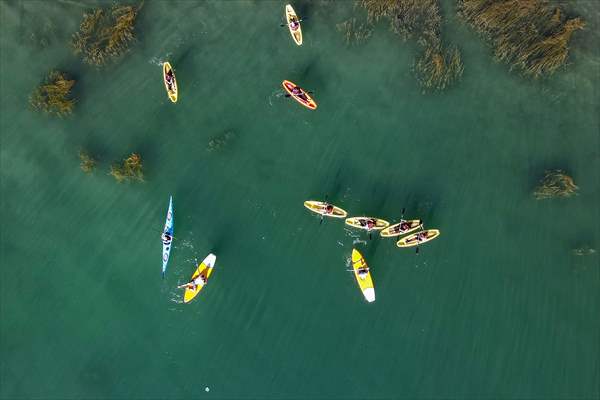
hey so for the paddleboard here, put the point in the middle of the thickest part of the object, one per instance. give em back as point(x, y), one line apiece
point(296, 32)
point(365, 283)
point(205, 268)
point(320, 207)
point(361, 223)
point(418, 238)
point(302, 98)
point(171, 89)
point(401, 228)
point(167, 229)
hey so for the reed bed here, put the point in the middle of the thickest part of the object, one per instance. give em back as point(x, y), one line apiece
point(555, 183)
point(54, 95)
point(129, 170)
point(86, 162)
point(530, 35)
point(105, 33)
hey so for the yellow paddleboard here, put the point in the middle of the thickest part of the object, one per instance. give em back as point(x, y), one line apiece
point(320, 207)
point(418, 238)
point(363, 223)
point(205, 269)
point(401, 228)
point(365, 282)
point(171, 88)
point(295, 30)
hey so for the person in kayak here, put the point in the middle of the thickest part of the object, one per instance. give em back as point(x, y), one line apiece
point(422, 236)
point(371, 223)
point(404, 226)
point(299, 93)
point(170, 79)
point(328, 209)
point(294, 25)
point(200, 280)
point(166, 238)
point(363, 272)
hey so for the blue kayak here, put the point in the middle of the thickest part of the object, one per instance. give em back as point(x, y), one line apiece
point(167, 241)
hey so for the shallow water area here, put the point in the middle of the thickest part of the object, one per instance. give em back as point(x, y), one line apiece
point(498, 306)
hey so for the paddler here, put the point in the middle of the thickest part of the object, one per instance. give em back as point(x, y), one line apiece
point(363, 272)
point(422, 236)
point(404, 226)
point(166, 238)
point(328, 209)
point(294, 25)
point(371, 223)
point(200, 280)
point(170, 79)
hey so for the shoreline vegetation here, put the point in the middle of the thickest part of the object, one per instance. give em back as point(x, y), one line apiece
point(129, 170)
point(105, 33)
point(555, 183)
point(53, 96)
point(530, 35)
point(439, 66)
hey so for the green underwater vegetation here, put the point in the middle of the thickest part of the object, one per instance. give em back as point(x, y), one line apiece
point(355, 32)
point(530, 35)
point(53, 96)
point(220, 141)
point(438, 66)
point(87, 163)
point(129, 170)
point(105, 33)
point(555, 183)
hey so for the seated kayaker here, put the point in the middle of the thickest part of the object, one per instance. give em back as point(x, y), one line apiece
point(170, 79)
point(422, 236)
point(363, 272)
point(404, 226)
point(294, 25)
point(371, 223)
point(166, 238)
point(329, 209)
point(296, 91)
point(200, 280)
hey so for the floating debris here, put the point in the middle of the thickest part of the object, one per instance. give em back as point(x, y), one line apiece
point(53, 96)
point(531, 35)
point(555, 183)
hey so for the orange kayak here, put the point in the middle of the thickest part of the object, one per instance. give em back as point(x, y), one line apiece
point(302, 97)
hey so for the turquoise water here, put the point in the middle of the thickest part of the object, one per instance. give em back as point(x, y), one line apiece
point(497, 307)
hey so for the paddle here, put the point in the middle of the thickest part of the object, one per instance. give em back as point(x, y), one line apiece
point(300, 20)
point(322, 214)
point(289, 95)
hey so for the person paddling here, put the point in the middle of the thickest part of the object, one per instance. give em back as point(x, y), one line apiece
point(170, 79)
point(294, 25)
point(200, 280)
point(328, 209)
point(166, 238)
point(363, 272)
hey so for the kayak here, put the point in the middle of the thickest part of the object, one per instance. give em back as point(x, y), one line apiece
point(171, 90)
point(205, 268)
point(415, 239)
point(290, 16)
point(167, 229)
point(365, 283)
point(319, 207)
point(401, 228)
point(361, 223)
point(302, 98)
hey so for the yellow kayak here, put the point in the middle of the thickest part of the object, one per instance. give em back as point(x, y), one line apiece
point(401, 228)
point(170, 86)
point(195, 285)
point(368, 223)
point(320, 207)
point(293, 24)
point(364, 280)
point(418, 238)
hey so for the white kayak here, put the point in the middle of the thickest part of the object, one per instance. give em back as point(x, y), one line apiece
point(168, 229)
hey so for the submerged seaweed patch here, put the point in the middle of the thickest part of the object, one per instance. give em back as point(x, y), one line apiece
point(555, 183)
point(129, 170)
point(54, 95)
point(530, 35)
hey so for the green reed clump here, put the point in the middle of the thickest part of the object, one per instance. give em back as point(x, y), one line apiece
point(54, 95)
point(129, 170)
point(437, 69)
point(355, 32)
point(87, 163)
point(105, 33)
point(585, 250)
point(555, 183)
point(220, 141)
point(531, 35)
